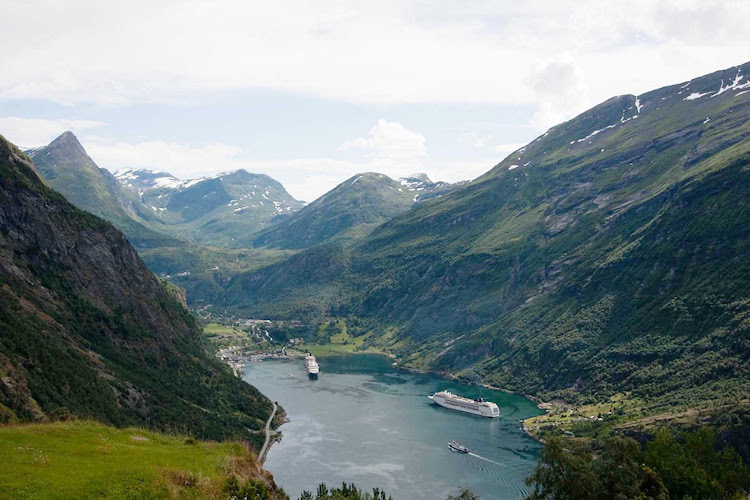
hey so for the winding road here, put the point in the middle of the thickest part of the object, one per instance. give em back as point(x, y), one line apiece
point(264, 450)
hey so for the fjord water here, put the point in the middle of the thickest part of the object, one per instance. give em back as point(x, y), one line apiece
point(367, 423)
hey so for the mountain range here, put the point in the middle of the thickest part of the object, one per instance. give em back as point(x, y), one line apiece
point(232, 209)
point(154, 209)
point(351, 210)
point(214, 210)
point(608, 256)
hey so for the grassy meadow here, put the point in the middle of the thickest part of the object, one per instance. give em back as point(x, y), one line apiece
point(83, 459)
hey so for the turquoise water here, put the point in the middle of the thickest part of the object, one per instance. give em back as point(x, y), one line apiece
point(367, 423)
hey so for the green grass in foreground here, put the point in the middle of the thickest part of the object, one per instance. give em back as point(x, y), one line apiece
point(82, 459)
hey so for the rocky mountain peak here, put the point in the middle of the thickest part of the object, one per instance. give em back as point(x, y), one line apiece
point(66, 144)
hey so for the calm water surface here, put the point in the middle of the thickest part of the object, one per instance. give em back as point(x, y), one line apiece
point(367, 423)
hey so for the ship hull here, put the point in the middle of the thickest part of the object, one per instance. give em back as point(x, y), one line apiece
point(313, 376)
point(458, 449)
point(447, 403)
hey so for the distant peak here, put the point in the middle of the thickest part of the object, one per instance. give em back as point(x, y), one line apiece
point(240, 173)
point(67, 140)
point(416, 178)
point(67, 136)
point(421, 177)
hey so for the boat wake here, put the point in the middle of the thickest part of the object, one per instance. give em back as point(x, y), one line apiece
point(519, 490)
point(485, 459)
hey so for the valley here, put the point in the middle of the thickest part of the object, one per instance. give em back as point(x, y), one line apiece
point(539, 262)
point(595, 282)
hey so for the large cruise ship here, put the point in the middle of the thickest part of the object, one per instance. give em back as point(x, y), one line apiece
point(312, 366)
point(474, 406)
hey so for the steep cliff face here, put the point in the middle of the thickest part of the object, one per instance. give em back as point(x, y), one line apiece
point(85, 328)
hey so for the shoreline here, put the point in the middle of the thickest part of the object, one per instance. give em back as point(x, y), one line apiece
point(238, 367)
point(392, 395)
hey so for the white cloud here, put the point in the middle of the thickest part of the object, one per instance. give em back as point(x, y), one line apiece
point(389, 148)
point(476, 140)
point(390, 51)
point(561, 90)
point(182, 160)
point(390, 141)
point(556, 57)
point(29, 132)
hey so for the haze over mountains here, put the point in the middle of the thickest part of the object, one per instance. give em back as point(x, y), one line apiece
point(213, 210)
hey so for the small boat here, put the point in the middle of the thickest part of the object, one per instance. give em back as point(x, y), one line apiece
point(453, 445)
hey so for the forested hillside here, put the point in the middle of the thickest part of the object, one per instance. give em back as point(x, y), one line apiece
point(88, 330)
point(350, 210)
point(609, 255)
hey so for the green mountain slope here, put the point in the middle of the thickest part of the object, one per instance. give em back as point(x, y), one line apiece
point(350, 210)
point(85, 328)
point(612, 256)
point(219, 211)
point(65, 166)
point(202, 271)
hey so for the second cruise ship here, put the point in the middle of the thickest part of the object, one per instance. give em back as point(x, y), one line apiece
point(312, 366)
point(474, 406)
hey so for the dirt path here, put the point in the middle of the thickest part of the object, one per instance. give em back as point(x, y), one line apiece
point(264, 450)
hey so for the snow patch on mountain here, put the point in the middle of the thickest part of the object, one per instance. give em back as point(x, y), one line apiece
point(595, 132)
point(146, 178)
point(695, 95)
point(735, 85)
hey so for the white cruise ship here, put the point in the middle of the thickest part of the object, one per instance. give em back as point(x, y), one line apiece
point(312, 366)
point(474, 406)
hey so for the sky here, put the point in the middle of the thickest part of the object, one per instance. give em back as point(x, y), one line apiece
point(312, 93)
